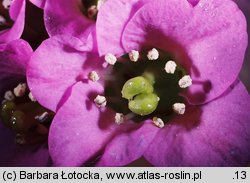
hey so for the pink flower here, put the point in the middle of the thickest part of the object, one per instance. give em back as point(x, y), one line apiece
point(205, 39)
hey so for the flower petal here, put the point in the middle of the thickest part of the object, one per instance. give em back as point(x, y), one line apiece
point(112, 18)
point(214, 134)
point(209, 40)
point(55, 66)
point(128, 145)
point(39, 3)
point(14, 57)
point(66, 17)
point(12, 154)
point(17, 13)
point(75, 134)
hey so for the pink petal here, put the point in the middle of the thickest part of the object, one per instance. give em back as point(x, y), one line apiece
point(55, 67)
point(17, 13)
point(128, 145)
point(38, 3)
point(75, 134)
point(66, 17)
point(209, 40)
point(214, 134)
point(112, 18)
point(14, 57)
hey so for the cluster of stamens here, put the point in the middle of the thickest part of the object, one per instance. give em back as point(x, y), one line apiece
point(139, 91)
point(21, 113)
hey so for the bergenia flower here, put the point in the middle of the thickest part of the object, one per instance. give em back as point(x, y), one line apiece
point(20, 145)
point(112, 111)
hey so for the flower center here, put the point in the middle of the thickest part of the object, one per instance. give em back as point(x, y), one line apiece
point(145, 85)
point(21, 113)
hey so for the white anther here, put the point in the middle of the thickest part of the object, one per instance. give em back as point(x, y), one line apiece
point(119, 118)
point(2, 20)
point(110, 59)
point(43, 117)
point(100, 3)
point(93, 76)
point(134, 55)
point(158, 122)
point(153, 54)
point(185, 81)
point(100, 101)
point(6, 3)
point(9, 95)
point(170, 67)
point(32, 98)
point(179, 108)
point(20, 90)
point(92, 11)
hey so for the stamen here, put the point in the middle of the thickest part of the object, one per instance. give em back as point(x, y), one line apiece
point(119, 118)
point(179, 108)
point(6, 3)
point(134, 55)
point(100, 101)
point(32, 98)
point(100, 3)
point(93, 76)
point(158, 122)
point(9, 96)
point(170, 67)
point(153, 54)
point(185, 81)
point(20, 90)
point(2, 20)
point(110, 59)
point(92, 11)
point(43, 117)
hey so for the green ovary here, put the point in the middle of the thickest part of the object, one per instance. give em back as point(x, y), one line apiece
point(139, 92)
